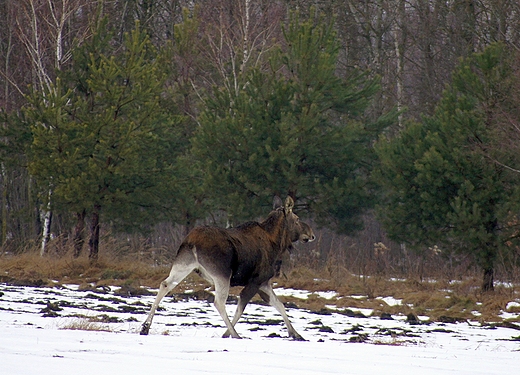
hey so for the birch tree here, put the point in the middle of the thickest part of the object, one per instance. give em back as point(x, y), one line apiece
point(42, 27)
point(108, 146)
point(238, 35)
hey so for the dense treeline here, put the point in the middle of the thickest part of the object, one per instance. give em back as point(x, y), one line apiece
point(126, 114)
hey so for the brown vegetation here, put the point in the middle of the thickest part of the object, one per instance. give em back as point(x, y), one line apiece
point(437, 297)
point(85, 324)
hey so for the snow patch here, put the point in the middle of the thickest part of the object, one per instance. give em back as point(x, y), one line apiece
point(512, 304)
point(391, 301)
point(185, 337)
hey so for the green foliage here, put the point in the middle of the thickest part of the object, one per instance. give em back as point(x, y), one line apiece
point(441, 187)
point(185, 63)
point(297, 128)
point(101, 137)
point(17, 197)
point(15, 138)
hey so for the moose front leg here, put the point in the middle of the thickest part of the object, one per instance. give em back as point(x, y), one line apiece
point(267, 293)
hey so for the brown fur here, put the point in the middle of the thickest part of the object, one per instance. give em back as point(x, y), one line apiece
point(247, 256)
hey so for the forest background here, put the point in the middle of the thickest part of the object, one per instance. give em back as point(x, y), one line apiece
point(393, 124)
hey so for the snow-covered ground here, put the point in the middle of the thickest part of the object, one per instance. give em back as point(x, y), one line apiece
point(36, 337)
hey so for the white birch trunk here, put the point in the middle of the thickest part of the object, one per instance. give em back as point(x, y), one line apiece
point(46, 219)
point(34, 37)
point(245, 55)
point(398, 45)
point(4, 206)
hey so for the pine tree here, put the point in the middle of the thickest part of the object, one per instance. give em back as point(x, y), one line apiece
point(101, 138)
point(441, 188)
point(296, 128)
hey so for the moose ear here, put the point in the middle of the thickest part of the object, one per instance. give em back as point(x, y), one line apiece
point(277, 202)
point(289, 204)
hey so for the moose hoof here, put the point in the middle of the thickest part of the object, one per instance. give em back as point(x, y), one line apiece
point(145, 329)
point(226, 335)
point(234, 337)
point(297, 337)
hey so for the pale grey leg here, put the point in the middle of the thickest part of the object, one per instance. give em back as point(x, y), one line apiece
point(181, 268)
point(246, 294)
point(221, 294)
point(267, 293)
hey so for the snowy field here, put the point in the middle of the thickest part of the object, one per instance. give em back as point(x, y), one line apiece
point(63, 330)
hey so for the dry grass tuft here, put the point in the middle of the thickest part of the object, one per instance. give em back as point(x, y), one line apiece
point(85, 324)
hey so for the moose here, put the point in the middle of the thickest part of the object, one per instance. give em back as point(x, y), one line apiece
point(248, 255)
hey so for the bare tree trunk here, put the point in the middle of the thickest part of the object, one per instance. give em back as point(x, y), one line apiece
point(245, 37)
point(7, 51)
point(4, 206)
point(47, 221)
point(399, 47)
point(489, 257)
point(94, 234)
point(79, 239)
point(488, 279)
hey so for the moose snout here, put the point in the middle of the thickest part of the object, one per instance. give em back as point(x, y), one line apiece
point(306, 238)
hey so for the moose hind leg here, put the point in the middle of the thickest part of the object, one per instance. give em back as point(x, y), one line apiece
point(267, 293)
point(182, 267)
point(221, 294)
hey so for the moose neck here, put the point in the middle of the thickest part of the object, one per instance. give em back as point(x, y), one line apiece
point(276, 226)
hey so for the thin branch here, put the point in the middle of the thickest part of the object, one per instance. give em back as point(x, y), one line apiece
point(502, 164)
